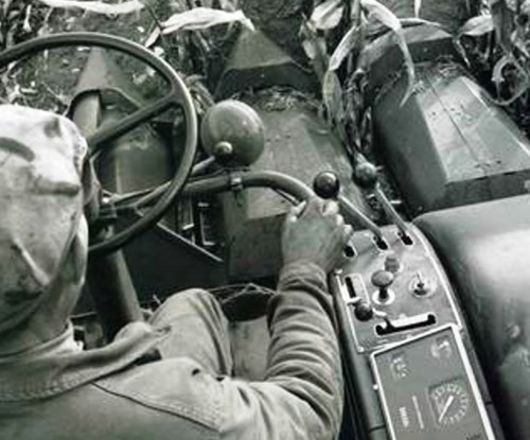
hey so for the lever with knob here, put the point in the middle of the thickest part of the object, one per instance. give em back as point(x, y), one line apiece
point(365, 175)
point(365, 312)
point(383, 279)
point(327, 186)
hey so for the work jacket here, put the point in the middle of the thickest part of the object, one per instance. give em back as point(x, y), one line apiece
point(123, 391)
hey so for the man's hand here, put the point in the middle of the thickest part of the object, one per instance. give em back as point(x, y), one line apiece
point(315, 232)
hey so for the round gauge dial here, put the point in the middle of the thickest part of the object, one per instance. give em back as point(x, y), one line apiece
point(450, 401)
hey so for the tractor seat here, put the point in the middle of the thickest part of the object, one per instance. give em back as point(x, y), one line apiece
point(485, 249)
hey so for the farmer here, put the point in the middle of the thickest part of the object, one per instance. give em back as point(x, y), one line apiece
point(166, 379)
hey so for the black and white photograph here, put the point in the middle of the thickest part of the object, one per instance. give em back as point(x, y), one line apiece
point(264, 219)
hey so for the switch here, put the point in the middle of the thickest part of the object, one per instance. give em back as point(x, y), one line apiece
point(421, 285)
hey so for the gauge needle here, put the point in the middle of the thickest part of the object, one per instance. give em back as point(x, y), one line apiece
point(446, 407)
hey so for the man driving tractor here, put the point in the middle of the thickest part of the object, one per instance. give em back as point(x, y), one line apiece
point(171, 377)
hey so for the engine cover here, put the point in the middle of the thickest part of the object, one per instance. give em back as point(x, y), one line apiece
point(484, 248)
point(449, 144)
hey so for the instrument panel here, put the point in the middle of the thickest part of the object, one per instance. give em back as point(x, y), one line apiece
point(409, 359)
point(428, 389)
point(419, 297)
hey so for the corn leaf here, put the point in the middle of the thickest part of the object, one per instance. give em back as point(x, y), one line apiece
point(385, 16)
point(153, 37)
point(502, 22)
point(197, 19)
point(521, 87)
point(97, 6)
point(525, 7)
point(417, 8)
point(332, 97)
point(228, 5)
point(497, 75)
point(203, 18)
point(328, 15)
point(413, 21)
point(477, 26)
point(349, 42)
point(315, 48)
point(520, 41)
point(381, 13)
point(519, 83)
point(356, 16)
point(409, 65)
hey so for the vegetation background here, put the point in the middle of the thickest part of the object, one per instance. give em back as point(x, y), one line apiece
point(195, 36)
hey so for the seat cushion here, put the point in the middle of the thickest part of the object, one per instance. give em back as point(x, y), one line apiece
point(485, 249)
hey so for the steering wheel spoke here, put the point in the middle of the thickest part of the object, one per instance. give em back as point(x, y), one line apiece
point(113, 131)
point(178, 96)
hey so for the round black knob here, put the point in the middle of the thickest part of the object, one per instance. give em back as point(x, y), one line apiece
point(327, 185)
point(363, 311)
point(365, 175)
point(382, 279)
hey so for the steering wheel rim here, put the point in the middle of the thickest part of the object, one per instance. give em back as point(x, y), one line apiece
point(178, 96)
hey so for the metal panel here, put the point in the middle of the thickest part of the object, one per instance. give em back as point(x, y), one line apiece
point(300, 144)
point(449, 145)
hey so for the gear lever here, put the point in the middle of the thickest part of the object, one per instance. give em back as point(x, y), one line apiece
point(327, 186)
point(366, 177)
point(365, 312)
point(383, 279)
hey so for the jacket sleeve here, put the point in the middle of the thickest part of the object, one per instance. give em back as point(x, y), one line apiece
point(301, 397)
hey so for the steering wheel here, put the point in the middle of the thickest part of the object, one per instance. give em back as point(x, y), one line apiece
point(177, 96)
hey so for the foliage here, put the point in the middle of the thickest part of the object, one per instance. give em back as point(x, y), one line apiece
point(97, 6)
point(496, 41)
point(361, 18)
point(190, 38)
point(193, 35)
point(198, 19)
point(500, 45)
point(327, 15)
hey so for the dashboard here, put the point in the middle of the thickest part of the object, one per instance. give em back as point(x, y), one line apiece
point(428, 389)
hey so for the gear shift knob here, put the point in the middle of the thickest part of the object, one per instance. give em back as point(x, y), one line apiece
point(365, 175)
point(327, 185)
point(363, 311)
point(383, 279)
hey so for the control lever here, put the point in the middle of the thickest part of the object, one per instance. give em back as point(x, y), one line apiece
point(327, 186)
point(383, 279)
point(366, 177)
point(365, 312)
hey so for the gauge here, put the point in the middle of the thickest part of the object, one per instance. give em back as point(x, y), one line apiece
point(450, 402)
